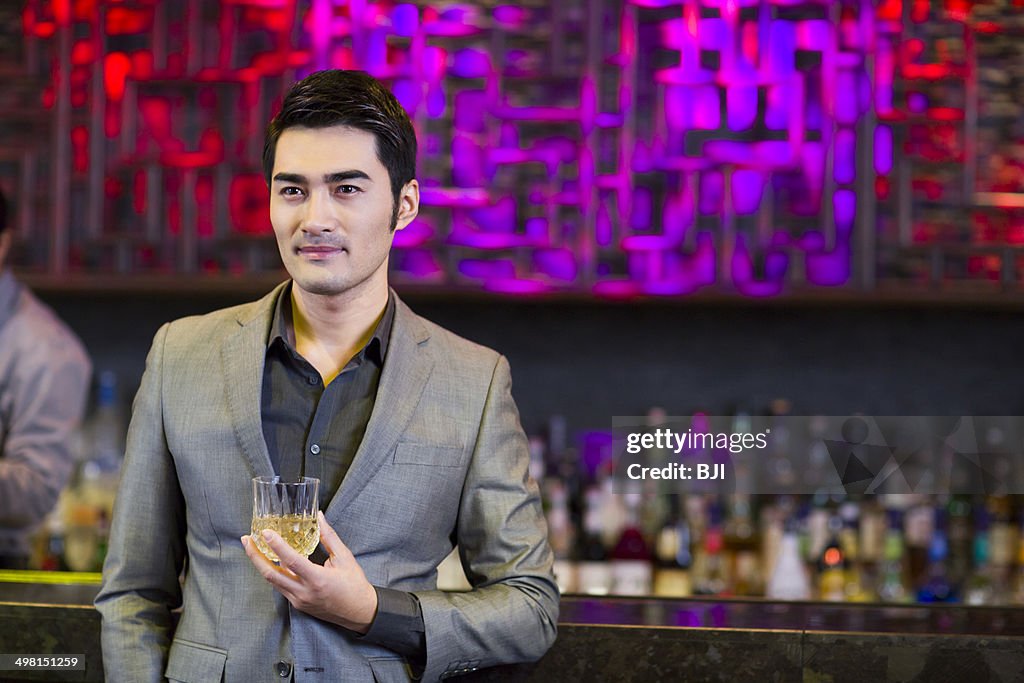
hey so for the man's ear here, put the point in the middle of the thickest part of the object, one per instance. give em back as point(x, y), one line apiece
point(408, 204)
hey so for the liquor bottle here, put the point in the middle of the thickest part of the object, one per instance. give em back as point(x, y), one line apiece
point(918, 526)
point(937, 586)
point(856, 587)
point(611, 512)
point(78, 512)
point(106, 429)
point(710, 569)
point(672, 554)
point(594, 574)
point(774, 519)
point(53, 559)
point(631, 557)
point(871, 543)
point(789, 580)
point(832, 565)
point(979, 587)
point(741, 547)
point(961, 549)
point(892, 585)
point(105, 442)
point(561, 535)
point(1002, 537)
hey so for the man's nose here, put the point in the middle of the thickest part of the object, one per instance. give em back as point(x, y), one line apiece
point(319, 214)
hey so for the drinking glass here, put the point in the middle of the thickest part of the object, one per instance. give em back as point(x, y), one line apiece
point(289, 508)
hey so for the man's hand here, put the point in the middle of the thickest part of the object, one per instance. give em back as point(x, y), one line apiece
point(337, 592)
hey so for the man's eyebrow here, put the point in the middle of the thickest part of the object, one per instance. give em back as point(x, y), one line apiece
point(290, 178)
point(341, 176)
point(329, 179)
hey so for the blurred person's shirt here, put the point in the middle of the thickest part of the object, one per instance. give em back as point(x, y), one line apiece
point(44, 382)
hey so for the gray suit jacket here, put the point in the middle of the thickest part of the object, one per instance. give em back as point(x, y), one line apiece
point(443, 461)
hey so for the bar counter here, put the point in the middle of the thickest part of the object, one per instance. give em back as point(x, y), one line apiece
point(649, 639)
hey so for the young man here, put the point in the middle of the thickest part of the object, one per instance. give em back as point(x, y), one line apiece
point(44, 383)
point(411, 429)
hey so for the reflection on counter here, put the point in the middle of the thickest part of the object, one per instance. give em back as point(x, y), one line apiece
point(735, 613)
point(49, 588)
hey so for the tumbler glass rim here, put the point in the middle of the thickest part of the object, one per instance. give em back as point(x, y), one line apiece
point(276, 479)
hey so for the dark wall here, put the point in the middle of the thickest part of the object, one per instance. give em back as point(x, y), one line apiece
point(592, 361)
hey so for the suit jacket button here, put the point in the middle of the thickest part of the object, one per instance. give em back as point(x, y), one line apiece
point(284, 669)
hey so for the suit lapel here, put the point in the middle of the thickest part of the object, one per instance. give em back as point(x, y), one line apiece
point(407, 367)
point(243, 355)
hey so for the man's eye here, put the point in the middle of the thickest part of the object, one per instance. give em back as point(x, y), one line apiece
point(347, 189)
point(291, 192)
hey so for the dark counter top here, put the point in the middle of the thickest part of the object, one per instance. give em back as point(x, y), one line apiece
point(651, 639)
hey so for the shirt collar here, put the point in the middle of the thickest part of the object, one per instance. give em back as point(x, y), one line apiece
point(10, 290)
point(282, 327)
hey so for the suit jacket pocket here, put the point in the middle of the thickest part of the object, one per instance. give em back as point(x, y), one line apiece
point(195, 663)
point(389, 670)
point(425, 454)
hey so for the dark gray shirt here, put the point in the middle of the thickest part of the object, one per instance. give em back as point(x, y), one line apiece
point(314, 431)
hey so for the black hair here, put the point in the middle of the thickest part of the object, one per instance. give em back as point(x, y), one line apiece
point(336, 97)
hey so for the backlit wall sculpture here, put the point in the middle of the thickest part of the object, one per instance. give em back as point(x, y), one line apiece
point(618, 148)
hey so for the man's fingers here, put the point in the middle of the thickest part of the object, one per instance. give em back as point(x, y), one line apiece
point(255, 554)
point(263, 565)
point(279, 577)
point(332, 544)
point(290, 560)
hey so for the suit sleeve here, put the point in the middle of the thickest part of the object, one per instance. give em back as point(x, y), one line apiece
point(511, 613)
point(146, 553)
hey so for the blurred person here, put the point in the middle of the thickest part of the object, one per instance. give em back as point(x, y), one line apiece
point(412, 431)
point(44, 382)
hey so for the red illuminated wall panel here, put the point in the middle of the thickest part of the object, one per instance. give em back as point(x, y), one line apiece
point(618, 148)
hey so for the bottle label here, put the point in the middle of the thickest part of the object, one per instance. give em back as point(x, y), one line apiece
point(631, 577)
point(595, 578)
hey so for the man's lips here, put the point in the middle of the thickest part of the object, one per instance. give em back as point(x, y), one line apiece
point(317, 253)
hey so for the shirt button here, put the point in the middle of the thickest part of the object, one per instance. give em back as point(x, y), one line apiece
point(313, 379)
point(284, 669)
point(315, 449)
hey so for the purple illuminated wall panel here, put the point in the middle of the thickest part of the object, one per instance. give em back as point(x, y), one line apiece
point(620, 148)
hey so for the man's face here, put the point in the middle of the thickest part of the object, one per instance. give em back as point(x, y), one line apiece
point(331, 207)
